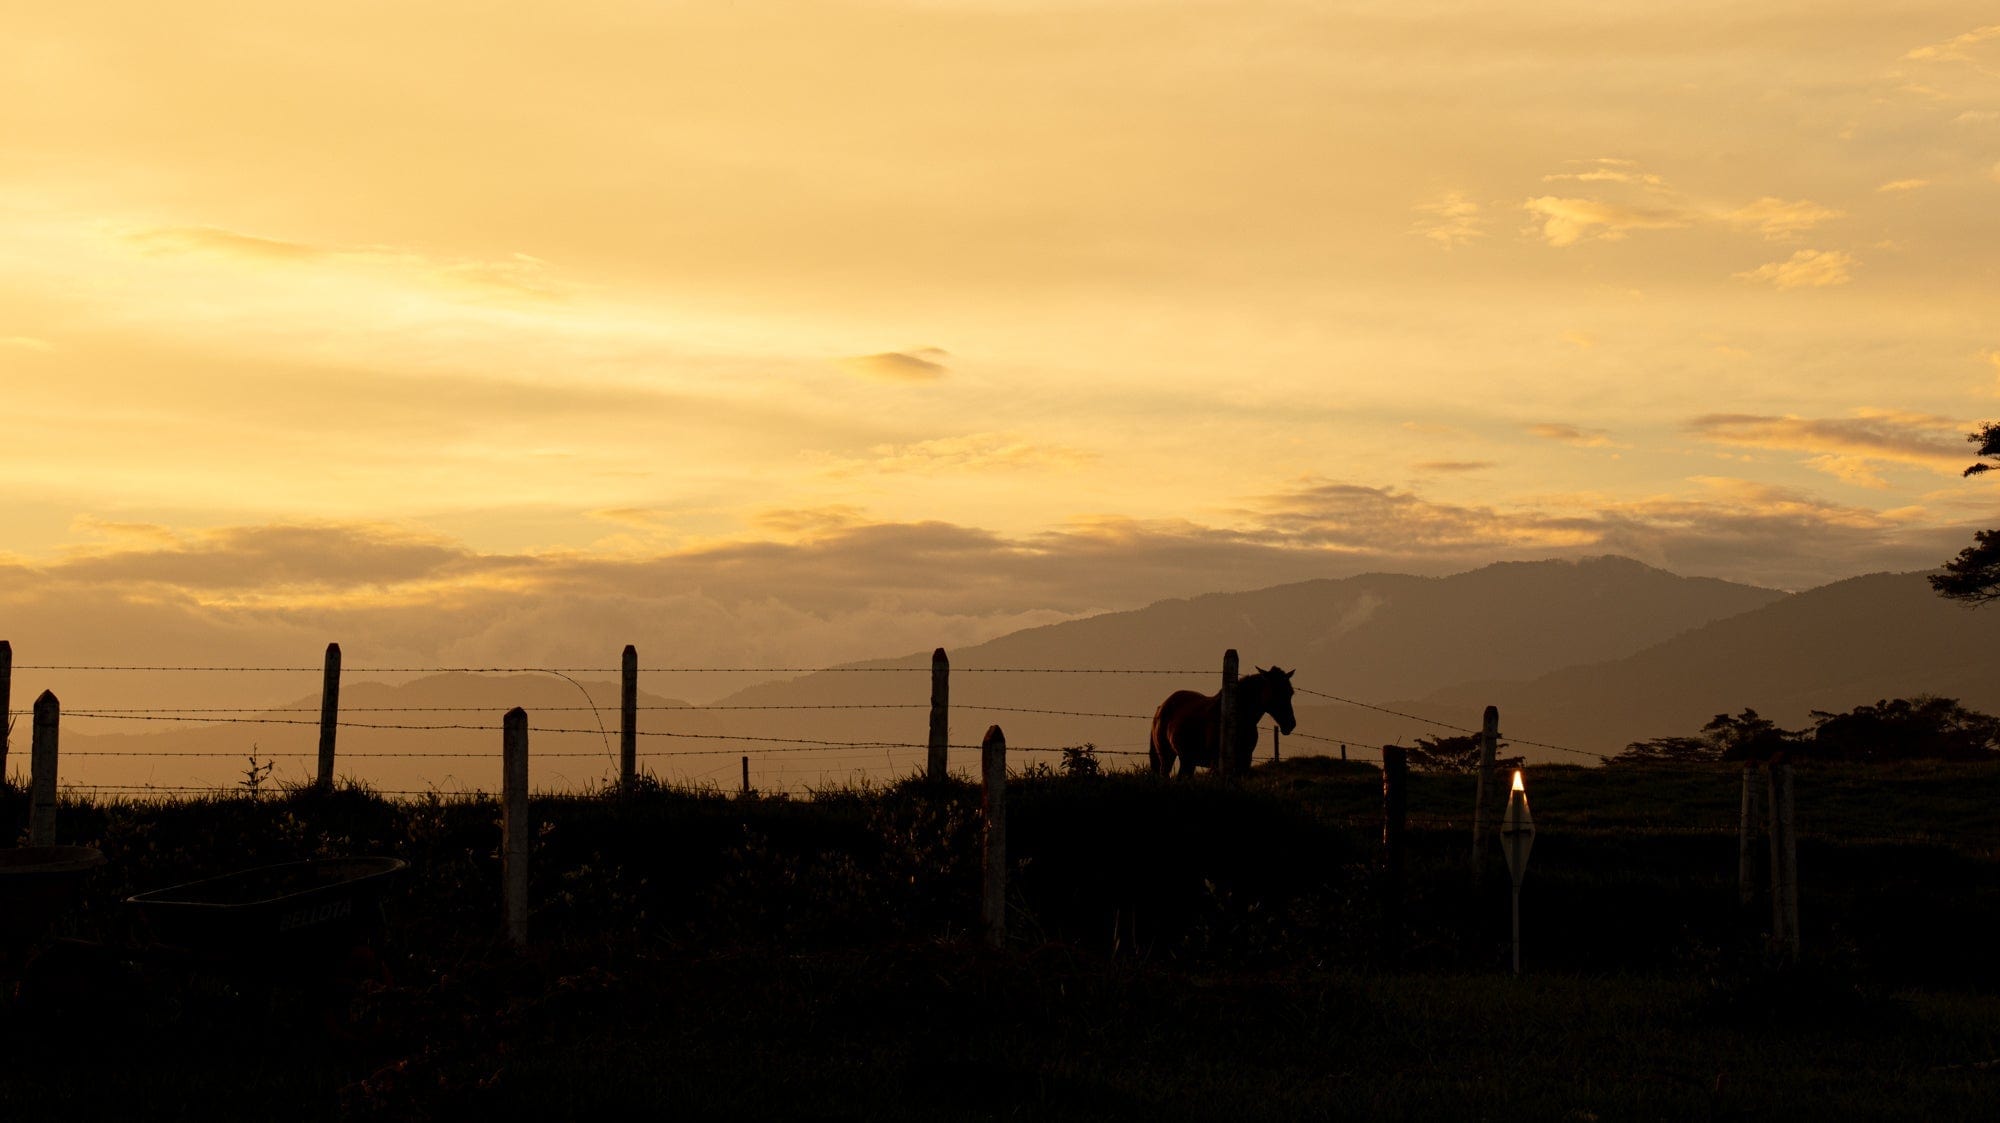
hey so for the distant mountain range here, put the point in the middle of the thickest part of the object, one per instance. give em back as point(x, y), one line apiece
point(1584, 654)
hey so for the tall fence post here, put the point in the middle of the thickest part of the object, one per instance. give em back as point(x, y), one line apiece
point(1277, 748)
point(514, 830)
point(746, 776)
point(1483, 807)
point(42, 775)
point(940, 732)
point(329, 715)
point(1784, 866)
point(1746, 865)
point(1395, 801)
point(993, 810)
point(628, 718)
point(6, 704)
point(1225, 749)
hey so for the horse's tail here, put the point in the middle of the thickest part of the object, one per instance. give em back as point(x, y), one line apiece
point(1161, 765)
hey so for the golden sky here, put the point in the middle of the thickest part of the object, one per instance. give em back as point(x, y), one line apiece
point(829, 329)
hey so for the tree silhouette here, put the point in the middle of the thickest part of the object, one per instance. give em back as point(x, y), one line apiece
point(1974, 575)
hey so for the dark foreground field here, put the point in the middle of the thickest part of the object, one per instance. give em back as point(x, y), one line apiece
point(1178, 951)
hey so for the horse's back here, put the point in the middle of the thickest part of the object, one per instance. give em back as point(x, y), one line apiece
point(1177, 724)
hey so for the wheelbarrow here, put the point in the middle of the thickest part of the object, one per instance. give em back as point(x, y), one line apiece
point(37, 885)
point(273, 910)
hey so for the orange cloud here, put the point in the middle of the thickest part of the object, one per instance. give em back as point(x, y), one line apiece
point(1566, 222)
point(210, 239)
point(1775, 218)
point(1804, 269)
point(1958, 47)
point(1454, 221)
point(920, 365)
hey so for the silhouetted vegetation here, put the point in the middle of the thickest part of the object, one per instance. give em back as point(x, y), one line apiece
point(1454, 756)
point(1901, 729)
point(1181, 950)
point(1974, 575)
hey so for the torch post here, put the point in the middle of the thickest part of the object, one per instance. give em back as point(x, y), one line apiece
point(1517, 838)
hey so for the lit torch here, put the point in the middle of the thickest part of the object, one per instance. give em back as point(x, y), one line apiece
point(1517, 837)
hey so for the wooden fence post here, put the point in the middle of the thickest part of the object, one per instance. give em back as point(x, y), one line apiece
point(746, 775)
point(628, 718)
point(6, 704)
point(1484, 808)
point(1276, 746)
point(940, 738)
point(1225, 749)
point(329, 715)
point(1395, 801)
point(1746, 866)
point(993, 810)
point(1784, 866)
point(514, 828)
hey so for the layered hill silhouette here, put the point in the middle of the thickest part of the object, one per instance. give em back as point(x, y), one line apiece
point(1884, 635)
point(1588, 655)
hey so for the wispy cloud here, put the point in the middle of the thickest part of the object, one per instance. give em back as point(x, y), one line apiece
point(1451, 221)
point(1565, 221)
point(1804, 269)
point(1850, 448)
point(971, 453)
point(1454, 465)
point(1572, 435)
point(1776, 218)
point(1958, 47)
point(26, 343)
point(1900, 185)
point(920, 365)
point(214, 240)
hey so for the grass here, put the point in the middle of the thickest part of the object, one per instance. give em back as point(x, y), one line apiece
point(1181, 950)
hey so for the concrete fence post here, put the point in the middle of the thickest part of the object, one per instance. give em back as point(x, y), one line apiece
point(940, 731)
point(1225, 749)
point(1784, 866)
point(993, 811)
point(1746, 851)
point(6, 704)
point(1485, 807)
point(42, 775)
point(1395, 802)
point(515, 831)
point(329, 715)
point(628, 718)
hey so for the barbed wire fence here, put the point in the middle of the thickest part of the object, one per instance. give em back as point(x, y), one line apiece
point(703, 756)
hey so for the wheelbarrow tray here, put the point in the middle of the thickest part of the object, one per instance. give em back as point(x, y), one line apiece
point(271, 906)
point(38, 884)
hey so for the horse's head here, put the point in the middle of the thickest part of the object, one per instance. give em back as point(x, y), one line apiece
point(1275, 689)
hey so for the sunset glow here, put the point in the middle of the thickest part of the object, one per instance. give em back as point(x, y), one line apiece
point(820, 331)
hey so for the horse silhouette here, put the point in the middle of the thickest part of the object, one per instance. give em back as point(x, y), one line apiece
point(1189, 725)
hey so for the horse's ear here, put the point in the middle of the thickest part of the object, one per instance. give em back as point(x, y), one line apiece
point(1290, 673)
point(1262, 671)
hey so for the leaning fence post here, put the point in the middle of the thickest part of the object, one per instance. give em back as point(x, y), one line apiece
point(6, 704)
point(1784, 865)
point(1395, 801)
point(42, 775)
point(993, 810)
point(1746, 866)
point(628, 717)
point(940, 716)
point(514, 824)
point(1225, 748)
point(1482, 807)
point(329, 715)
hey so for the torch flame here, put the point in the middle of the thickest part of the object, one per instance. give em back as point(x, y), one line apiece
point(1518, 785)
